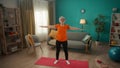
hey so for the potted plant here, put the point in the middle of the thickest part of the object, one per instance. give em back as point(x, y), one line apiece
point(99, 23)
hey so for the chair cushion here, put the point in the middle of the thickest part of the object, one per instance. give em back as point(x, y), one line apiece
point(78, 36)
point(37, 44)
point(30, 39)
point(52, 42)
point(75, 44)
point(53, 34)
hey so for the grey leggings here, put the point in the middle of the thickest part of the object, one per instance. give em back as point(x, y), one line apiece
point(58, 47)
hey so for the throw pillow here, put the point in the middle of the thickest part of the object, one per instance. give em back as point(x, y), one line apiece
point(86, 38)
point(30, 39)
point(53, 34)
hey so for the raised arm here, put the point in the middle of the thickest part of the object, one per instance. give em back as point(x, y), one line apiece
point(49, 26)
point(74, 28)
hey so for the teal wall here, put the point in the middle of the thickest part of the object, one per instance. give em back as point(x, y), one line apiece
point(70, 9)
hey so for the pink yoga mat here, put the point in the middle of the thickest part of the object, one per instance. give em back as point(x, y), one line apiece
point(45, 61)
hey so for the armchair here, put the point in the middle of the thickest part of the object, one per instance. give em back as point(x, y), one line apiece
point(32, 42)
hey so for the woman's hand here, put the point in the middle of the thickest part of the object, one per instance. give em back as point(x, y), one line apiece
point(50, 26)
point(44, 26)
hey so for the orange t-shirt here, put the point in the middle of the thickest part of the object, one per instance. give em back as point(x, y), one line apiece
point(61, 32)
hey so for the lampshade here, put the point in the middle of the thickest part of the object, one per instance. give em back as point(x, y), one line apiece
point(114, 9)
point(82, 21)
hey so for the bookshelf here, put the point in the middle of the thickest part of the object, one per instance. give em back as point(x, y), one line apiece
point(11, 30)
point(115, 30)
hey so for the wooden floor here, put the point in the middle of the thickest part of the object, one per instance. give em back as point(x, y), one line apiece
point(22, 59)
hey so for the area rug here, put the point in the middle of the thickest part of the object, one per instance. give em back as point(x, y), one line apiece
point(46, 61)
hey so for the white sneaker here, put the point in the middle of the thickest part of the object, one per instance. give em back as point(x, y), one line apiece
point(67, 62)
point(56, 61)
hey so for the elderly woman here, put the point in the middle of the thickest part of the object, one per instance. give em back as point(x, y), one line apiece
point(61, 37)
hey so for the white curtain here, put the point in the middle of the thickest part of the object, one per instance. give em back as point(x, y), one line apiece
point(41, 18)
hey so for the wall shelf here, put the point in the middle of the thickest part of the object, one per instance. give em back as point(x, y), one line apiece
point(11, 30)
point(115, 30)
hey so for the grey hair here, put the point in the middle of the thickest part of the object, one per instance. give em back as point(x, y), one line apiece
point(61, 17)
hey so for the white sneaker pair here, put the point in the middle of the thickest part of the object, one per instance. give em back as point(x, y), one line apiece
point(56, 61)
point(67, 62)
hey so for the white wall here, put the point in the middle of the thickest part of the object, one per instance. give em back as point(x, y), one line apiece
point(9, 3)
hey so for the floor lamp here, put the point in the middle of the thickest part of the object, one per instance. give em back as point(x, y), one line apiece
point(82, 22)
